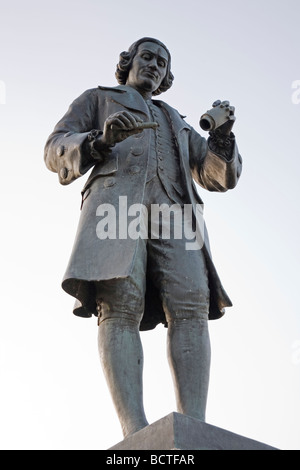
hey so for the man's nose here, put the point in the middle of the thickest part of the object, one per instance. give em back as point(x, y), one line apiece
point(153, 64)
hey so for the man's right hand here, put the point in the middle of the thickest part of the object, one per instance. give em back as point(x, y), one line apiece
point(121, 125)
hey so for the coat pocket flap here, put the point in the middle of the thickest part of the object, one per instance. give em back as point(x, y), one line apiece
point(108, 167)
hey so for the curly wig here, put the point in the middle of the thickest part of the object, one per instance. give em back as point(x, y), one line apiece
point(126, 59)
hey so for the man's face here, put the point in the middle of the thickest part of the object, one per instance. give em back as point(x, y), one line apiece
point(149, 67)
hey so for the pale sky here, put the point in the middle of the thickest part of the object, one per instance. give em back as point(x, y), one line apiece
point(53, 394)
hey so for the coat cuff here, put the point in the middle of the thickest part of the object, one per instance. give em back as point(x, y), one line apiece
point(222, 174)
point(67, 157)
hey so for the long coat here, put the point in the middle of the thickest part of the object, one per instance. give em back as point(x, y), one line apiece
point(123, 173)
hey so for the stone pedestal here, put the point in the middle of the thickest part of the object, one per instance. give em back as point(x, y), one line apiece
point(180, 432)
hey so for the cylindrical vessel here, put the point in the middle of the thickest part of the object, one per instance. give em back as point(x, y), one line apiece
point(213, 118)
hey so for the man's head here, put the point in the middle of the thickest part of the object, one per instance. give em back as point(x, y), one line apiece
point(146, 64)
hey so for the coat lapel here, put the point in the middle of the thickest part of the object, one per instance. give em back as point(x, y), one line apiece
point(128, 97)
point(177, 120)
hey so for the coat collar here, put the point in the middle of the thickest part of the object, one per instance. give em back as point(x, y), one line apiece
point(131, 99)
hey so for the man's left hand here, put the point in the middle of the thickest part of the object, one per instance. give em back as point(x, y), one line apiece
point(228, 110)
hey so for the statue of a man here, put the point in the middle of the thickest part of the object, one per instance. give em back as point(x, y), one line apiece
point(143, 154)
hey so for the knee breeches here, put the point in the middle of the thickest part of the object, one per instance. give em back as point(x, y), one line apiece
point(179, 275)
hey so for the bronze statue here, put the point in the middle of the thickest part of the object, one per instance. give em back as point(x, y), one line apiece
point(144, 154)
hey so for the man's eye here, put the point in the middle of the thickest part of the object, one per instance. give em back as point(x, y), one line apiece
point(146, 56)
point(162, 64)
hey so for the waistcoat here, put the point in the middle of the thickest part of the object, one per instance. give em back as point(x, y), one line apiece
point(164, 159)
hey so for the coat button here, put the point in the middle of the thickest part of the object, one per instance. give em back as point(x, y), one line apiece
point(64, 173)
point(133, 170)
point(109, 182)
point(137, 151)
point(60, 151)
